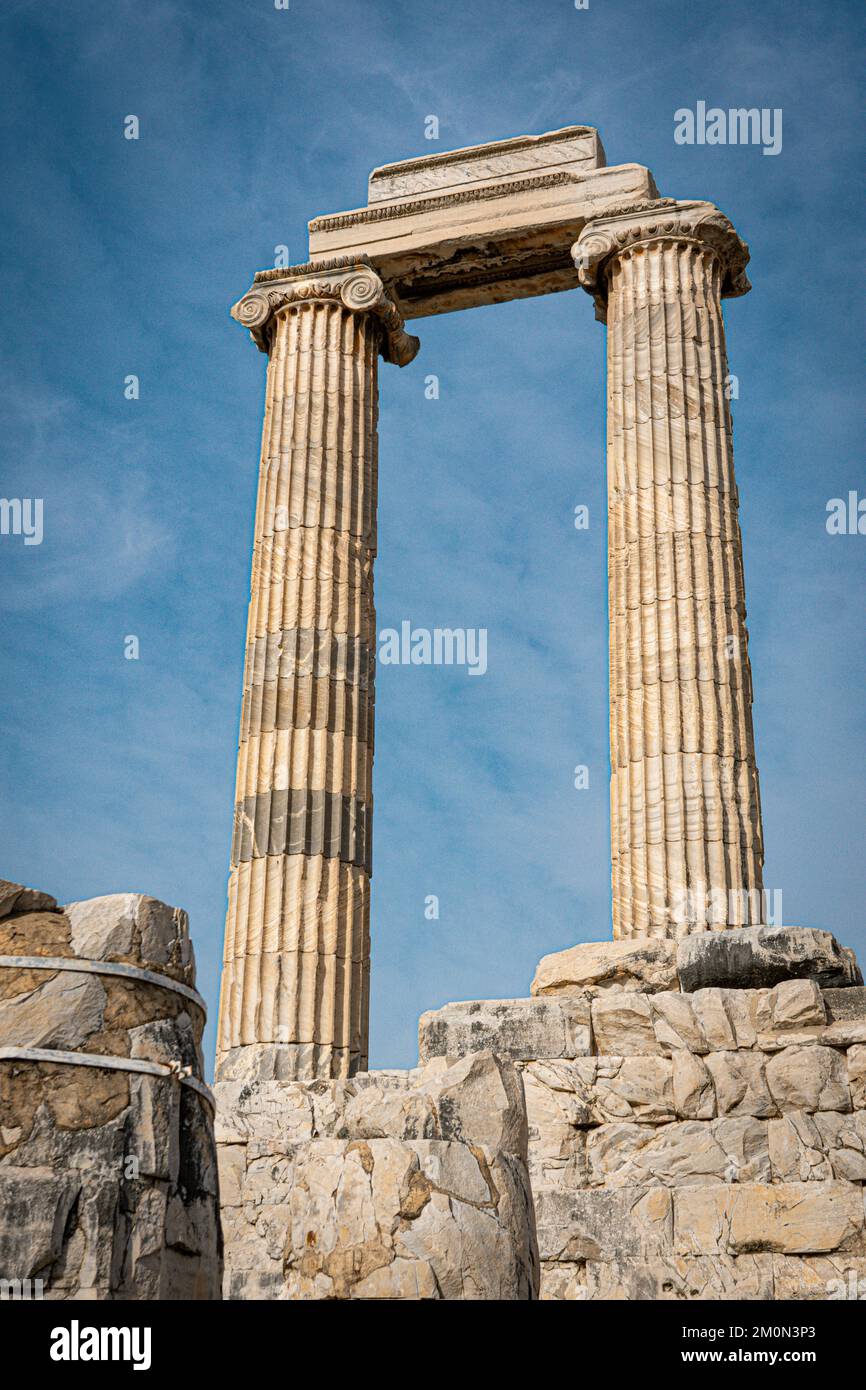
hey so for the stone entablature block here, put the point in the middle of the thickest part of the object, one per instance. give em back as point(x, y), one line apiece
point(482, 225)
point(575, 149)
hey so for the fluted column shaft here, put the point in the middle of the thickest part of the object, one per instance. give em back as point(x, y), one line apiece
point(295, 992)
point(686, 842)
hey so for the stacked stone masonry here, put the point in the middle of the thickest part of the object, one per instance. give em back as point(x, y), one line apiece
point(707, 1144)
point(108, 1177)
point(388, 1185)
point(617, 1135)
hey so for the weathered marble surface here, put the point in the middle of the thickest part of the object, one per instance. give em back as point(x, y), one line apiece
point(720, 1020)
point(686, 836)
point(719, 1152)
point(577, 149)
point(481, 225)
point(713, 1145)
point(516, 1028)
point(642, 964)
point(389, 1185)
point(108, 1179)
point(296, 958)
point(760, 957)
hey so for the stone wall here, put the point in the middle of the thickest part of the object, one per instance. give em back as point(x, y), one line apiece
point(658, 1120)
point(703, 1143)
point(638, 1128)
point(389, 1185)
point(108, 1182)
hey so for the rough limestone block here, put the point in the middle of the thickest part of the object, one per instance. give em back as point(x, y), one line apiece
point(477, 1099)
point(726, 1017)
point(63, 1012)
point(684, 1153)
point(740, 1082)
point(857, 1075)
point(645, 964)
point(383, 1185)
point(263, 1110)
point(160, 1131)
point(232, 1168)
point(845, 1005)
point(841, 1033)
point(844, 1140)
point(809, 1078)
point(560, 1093)
point(622, 1025)
point(760, 957)
point(35, 1208)
point(520, 1029)
point(675, 1024)
point(790, 1007)
point(786, 1218)
point(668, 1022)
point(819, 1278)
point(603, 1224)
point(15, 897)
point(693, 1087)
point(719, 1278)
point(796, 1012)
point(558, 1106)
point(818, 1147)
point(562, 1283)
point(792, 1013)
point(710, 1020)
point(633, 1088)
point(136, 929)
point(592, 1090)
point(385, 1218)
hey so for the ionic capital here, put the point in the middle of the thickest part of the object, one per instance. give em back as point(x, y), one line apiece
point(348, 280)
point(622, 230)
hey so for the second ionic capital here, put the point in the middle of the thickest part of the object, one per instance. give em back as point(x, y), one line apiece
point(624, 230)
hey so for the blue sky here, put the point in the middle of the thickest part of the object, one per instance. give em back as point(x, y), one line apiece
point(123, 257)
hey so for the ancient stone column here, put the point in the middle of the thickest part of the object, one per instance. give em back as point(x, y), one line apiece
point(686, 840)
point(296, 964)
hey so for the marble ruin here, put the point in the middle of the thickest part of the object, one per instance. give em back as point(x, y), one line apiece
point(678, 1113)
point(108, 1171)
point(450, 231)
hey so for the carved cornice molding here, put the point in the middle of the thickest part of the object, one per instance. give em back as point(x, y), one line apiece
point(348, 280)
point(386, 211)
point(623, 230)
